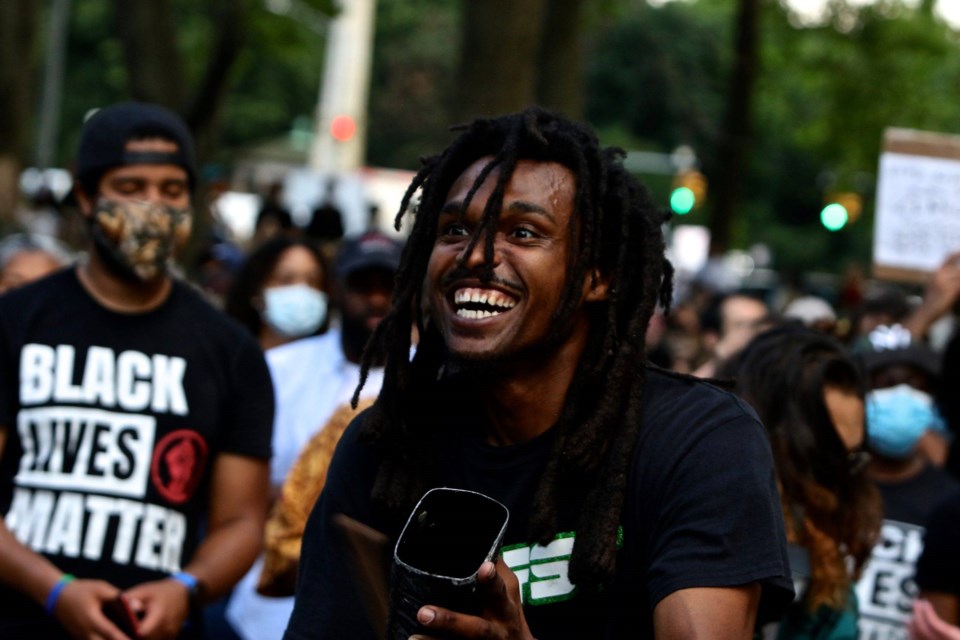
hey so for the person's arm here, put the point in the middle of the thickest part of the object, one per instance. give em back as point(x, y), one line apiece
point(715, 613)
point(941, 293)
point(238, 505)
point(946, 605)
point(938, 567)
point(728, 612)
point(79, 606)
point(927, 625)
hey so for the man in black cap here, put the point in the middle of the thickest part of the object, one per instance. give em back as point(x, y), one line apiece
point(130, 410)
point(903, 425)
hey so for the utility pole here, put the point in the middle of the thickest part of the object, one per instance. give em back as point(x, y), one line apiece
point(48, 127)
point(341, 120)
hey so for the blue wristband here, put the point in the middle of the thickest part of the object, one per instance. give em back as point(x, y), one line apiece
point(54, 594)
point(188, 580)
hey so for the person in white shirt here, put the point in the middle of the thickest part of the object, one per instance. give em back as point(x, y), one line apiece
point(311, 378)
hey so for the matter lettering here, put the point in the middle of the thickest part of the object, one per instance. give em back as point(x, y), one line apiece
point(130, 380)
point(147, 535)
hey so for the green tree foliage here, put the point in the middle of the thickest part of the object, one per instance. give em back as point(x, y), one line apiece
point(271, 81)
point(826, 94)
point(18, 20)
point(658, 77)
point(413, 80)
point(663, 88)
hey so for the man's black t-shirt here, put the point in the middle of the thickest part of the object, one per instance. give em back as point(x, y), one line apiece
point(113, 422)
point(702, 510)
point(886, 588)
point(938, 568)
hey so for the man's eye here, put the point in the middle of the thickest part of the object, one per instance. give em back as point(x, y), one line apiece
point(454, 229)
point(522, 233)
point(126, 187)
point(174, 190)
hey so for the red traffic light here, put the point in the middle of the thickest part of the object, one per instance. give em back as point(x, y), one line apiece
point(342, 128)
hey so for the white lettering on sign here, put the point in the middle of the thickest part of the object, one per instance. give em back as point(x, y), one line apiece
point(918, 211)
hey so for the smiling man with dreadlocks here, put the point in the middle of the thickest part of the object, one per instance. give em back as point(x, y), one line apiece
point(641, 503)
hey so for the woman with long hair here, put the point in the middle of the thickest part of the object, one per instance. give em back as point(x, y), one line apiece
point(810, 396)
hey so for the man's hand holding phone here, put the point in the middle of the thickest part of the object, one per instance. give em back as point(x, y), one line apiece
point(118, 611)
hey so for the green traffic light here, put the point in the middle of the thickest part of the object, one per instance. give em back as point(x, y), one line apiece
point(834, 216)
point(682, 200)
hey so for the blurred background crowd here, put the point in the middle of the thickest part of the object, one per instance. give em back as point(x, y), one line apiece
point(752, 120)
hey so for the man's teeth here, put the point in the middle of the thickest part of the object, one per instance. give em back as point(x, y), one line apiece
point(495, 302)
point(471, 314)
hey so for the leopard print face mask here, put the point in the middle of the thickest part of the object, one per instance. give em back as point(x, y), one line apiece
point(140, 237)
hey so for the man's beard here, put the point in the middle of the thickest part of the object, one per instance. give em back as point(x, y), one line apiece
point(355, 335)
point(107, 252)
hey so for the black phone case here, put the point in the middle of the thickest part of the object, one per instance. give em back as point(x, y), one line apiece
point(120, 614)
point(449, 534)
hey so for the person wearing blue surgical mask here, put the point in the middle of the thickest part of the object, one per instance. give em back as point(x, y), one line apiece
point(898, 418)
point(280, 293)
point(900, 415)
point(313, 377)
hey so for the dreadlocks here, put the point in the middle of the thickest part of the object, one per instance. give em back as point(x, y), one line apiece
point(616, 229)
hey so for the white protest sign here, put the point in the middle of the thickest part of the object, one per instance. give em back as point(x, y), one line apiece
point(917, 220)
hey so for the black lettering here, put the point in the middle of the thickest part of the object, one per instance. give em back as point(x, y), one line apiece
point(880, 589)
point(909, 591)
point(35, 438)
point(124, 469)
point(70, 453)
point(96, 449)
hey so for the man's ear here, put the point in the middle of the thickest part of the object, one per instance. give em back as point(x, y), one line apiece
point(83, 200)
point(595, 286)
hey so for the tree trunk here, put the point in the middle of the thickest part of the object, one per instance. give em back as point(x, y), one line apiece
point(731, 162)
point(560, 81)
point(499, 47)
point(155, 67)
point(18, 29)
point(155, 71)
point(203, 109)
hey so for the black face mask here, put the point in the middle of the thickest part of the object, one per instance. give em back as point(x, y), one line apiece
point(137, 239)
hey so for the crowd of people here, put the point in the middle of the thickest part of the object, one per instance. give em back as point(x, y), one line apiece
point(178, 451)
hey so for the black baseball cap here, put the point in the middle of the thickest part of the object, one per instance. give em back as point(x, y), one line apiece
point(372, 249)
point(887, 346)
point(916, 355)
point(105, 134)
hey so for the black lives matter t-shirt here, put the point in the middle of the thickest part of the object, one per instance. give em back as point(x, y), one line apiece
point(702, 510)
point(886, 589)
point(113, 422)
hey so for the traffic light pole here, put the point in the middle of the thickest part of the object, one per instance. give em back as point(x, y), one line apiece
point(345, 88)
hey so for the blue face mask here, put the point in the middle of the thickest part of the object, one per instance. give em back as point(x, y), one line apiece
point(897, 417)
point(295, 310)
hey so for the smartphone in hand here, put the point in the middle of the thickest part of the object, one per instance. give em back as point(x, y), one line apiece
point(118, 611)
